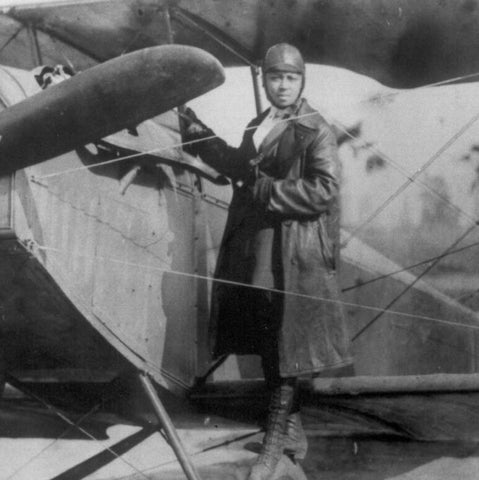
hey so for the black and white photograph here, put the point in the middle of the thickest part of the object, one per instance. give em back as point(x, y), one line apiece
point(239, 239)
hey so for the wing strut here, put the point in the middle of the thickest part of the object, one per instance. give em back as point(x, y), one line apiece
point(13, 37)
point(187, 18)
point(35, 46)
point(255, 73)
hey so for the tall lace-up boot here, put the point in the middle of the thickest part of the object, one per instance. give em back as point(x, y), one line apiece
point(274, 438)
point(296, 442)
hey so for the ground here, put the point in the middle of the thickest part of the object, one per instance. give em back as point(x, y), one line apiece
point(37, 442)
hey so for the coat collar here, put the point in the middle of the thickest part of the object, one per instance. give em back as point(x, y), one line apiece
point(307, 116)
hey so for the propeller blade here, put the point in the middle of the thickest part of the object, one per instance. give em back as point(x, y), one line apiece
point(102, 100)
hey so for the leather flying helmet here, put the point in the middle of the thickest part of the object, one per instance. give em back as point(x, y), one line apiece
point(283, 57)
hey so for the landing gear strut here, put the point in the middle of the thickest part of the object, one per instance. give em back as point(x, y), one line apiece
point(168, 428)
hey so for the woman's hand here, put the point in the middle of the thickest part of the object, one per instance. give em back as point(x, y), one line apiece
point(191, 124)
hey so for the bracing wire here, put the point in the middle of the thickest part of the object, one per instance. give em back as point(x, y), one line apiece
point(118, 159)
point(394, 195)
point(413, 178)
point(162, 270)
point(12, 37)
point(76, 426)
point(410, 267)
point(448, 81)
point(416, 180)
point(53, 442)
point(428, 85)
point(389, 200)
point(409, 286)
point(155, 150)
point(410, 180)
point(376, 309)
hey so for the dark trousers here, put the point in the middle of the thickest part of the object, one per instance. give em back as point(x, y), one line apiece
point(268, 315)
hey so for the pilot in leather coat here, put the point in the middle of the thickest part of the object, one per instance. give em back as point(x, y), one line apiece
point(301, 196)
point(276, 291)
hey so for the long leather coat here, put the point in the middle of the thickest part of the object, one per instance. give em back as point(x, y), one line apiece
point(301, 195)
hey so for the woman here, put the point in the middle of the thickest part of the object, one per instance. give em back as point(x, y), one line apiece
point(279, 249)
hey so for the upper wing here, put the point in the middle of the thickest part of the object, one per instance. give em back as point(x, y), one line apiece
point(401, 43)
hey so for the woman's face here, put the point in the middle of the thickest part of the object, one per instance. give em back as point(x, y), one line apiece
point(283, 88)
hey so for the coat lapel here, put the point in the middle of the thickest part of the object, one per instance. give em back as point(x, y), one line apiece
point(294, 140)
point(270, 143)
point(285, 143)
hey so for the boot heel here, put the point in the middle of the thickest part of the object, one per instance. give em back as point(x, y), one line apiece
point(297, 454)
point(296, 445)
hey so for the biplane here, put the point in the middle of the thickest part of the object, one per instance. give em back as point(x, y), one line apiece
point(109, 229)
